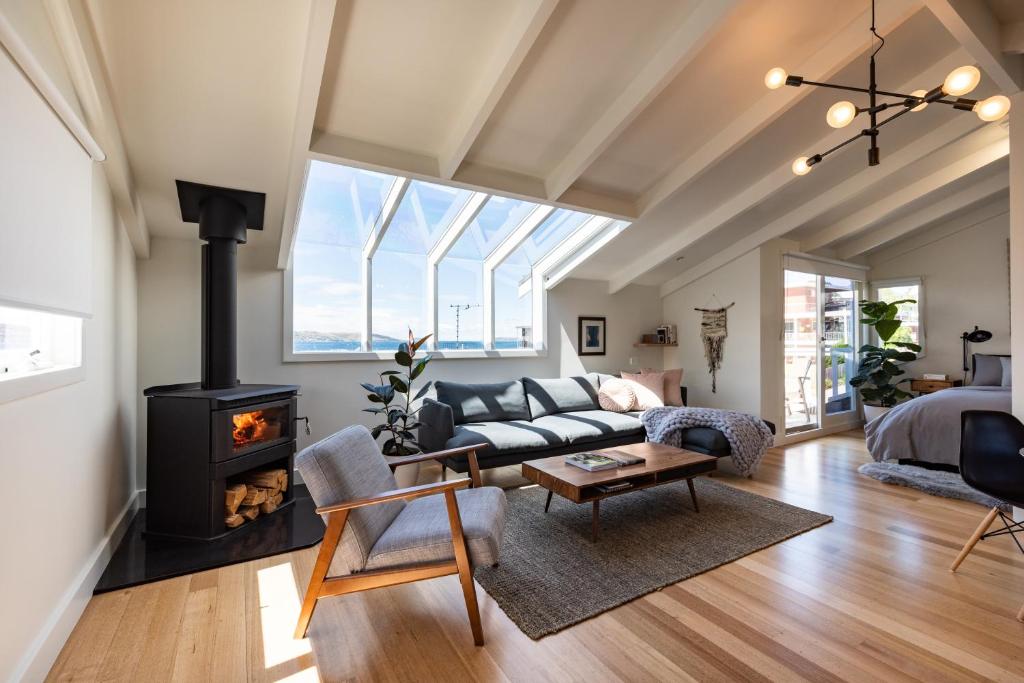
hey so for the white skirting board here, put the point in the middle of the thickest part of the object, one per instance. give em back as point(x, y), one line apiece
point(35, 664)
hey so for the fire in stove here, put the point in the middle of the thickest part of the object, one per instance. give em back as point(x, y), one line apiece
point(254, 427)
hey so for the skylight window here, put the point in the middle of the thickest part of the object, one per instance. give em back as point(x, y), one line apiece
point(376, 255)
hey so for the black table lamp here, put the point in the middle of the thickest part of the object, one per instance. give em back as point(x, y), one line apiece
point(975, 336)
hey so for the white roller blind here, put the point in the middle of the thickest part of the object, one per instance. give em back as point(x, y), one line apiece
point(45, 203)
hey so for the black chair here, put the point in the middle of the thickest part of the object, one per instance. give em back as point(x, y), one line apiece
point(991, 462)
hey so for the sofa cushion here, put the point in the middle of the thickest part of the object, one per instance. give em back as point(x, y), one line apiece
point(500, 402)
point(585, 426)
point(550, 396)
point(705, 440)
point(515, 435)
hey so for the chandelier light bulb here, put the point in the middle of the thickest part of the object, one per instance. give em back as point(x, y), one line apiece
point(919, 93)
point(961, 81)
point(992, 108)
point(841, 114)
point(800, 166)
point(775, 78)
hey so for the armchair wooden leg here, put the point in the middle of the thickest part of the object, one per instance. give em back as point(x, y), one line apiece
point(465, 570)
point(975, 537)
point(1020, 614)
point(335, 525)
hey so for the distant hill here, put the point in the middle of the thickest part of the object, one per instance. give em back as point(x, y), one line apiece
point(313, 336)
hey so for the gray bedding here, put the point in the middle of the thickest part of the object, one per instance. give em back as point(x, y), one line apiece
point(928, 427)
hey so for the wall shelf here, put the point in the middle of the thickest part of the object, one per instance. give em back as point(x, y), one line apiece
point(642, 344)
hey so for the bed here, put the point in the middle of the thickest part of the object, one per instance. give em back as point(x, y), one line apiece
point(927, 429)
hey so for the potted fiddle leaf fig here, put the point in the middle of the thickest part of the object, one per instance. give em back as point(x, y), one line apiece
point(879, 369)
point(393, 399)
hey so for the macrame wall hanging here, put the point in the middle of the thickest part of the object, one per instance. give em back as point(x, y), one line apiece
point(713, 331)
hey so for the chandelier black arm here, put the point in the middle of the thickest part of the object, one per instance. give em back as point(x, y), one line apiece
point(801, 81)
point(817, 158)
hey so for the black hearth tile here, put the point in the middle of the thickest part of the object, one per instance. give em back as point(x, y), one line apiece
point(143, 559)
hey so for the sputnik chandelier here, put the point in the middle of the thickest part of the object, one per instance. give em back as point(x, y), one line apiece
point(959, 82)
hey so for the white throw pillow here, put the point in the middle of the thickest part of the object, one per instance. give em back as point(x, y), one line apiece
point(616, 396)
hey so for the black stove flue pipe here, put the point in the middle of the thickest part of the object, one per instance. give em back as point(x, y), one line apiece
point(224, 215)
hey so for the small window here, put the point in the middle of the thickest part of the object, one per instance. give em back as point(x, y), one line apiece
point(912, 330)
point(35, 342)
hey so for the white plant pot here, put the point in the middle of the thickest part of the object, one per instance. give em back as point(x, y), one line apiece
point(874, 412)
point(407, 475)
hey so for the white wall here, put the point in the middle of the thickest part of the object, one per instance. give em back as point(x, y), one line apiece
point(169, 338)
point(963, 263)
point(739, 378)
point(69, 462)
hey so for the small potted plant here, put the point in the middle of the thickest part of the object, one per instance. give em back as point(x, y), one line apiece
point(878, 371)
point(393, 399)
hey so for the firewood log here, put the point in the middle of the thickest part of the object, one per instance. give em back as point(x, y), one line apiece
point(284, 480)
point(231, 521)
point(233, 497)
point(250, 512)
point(272, 504)
point(254, 496)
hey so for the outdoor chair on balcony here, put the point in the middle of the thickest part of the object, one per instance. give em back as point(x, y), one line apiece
point(379, 535)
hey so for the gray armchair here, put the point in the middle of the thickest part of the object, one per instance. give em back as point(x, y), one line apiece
point(379, 535)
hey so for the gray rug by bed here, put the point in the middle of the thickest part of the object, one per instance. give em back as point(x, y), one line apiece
point(934, 482)
point(552, 576)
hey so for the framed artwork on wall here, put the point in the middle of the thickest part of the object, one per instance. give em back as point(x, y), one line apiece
point(591, 335)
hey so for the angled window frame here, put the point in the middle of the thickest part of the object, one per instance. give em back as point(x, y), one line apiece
point(550, 269)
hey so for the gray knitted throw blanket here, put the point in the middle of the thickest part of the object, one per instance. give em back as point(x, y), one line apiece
point(748, 436)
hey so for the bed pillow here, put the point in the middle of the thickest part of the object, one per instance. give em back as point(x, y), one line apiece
point(649, 389)
point(673, 380)
point(988, 371)
point(1007, 371)
point(616, 395)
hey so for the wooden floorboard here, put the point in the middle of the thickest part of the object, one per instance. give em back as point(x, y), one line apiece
point(866, 598)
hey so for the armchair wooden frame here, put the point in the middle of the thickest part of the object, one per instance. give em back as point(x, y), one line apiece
point(322, 586)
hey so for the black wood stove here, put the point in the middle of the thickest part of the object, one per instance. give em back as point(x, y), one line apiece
point(201, 434)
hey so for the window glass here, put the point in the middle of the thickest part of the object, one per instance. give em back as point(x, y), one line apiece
point(37, 341)
point(909, 314)
point(513, 304)
point(400, 265)
point(460, 274)
point(339, 208)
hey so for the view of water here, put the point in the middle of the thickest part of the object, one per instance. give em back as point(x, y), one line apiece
point(379, 345)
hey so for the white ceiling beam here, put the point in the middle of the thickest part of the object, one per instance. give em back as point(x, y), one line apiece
point(842, 49)
point(564, 250)
point(975, 27)
point(373, 157)
point(515, 40)
point(932, 213)
point(773, 182)
point(833, 197)
point(318, 38)
point(671, 58)
point(1011, 38)
point(73, 31)
point(876, 211)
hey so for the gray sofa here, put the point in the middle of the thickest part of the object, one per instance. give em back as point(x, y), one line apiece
point(529, 418)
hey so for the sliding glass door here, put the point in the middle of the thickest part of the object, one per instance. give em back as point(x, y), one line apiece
point(819, 341)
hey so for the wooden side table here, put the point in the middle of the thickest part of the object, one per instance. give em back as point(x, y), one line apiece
point(928, 386)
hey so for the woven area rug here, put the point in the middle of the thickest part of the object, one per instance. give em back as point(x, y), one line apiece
point(552, 576)
point(933, 482)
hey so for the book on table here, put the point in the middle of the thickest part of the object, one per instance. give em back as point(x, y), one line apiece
point(607, 460)
point(591, 462)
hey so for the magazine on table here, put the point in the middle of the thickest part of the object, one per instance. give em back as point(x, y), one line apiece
point(606, 460)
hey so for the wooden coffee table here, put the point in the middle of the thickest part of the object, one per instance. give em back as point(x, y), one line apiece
point(663, 464)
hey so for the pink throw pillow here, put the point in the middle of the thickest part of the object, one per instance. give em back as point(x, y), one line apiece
point(673, 380)
point(649, 389)
point(616, 396)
